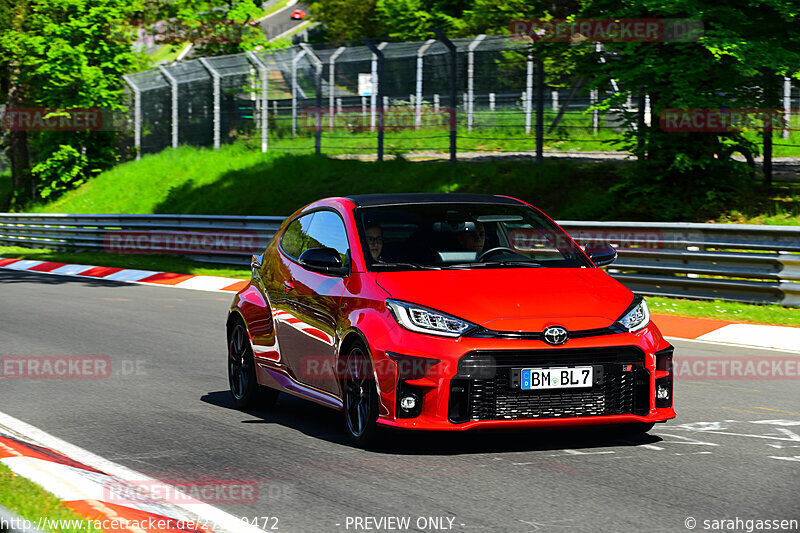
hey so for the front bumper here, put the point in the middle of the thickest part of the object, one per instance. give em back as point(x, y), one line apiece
point(472, 386)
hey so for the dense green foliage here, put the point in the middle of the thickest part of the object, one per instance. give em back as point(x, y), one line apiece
point(56, 55)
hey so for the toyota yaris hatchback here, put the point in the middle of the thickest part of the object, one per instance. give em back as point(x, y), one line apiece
point(444, 312)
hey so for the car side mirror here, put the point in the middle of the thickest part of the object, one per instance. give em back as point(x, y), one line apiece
point(323, 260)
point(602, 255)
point(256, 262)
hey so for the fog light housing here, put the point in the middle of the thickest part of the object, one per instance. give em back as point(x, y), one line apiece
point(664, 383)
point(409, 403)
point(662, 391)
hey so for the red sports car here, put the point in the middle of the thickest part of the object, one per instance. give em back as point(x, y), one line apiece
point(298, 14)
point(445, 312)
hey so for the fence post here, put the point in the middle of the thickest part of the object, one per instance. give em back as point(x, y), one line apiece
point(554, 100)
point(420, 53)
point(491, 101)
point(640, 124)
point(174, 86)
point(470, 78)
point(453, 92)
point(332, 82)
point(295, 60)
point(529, 94)
point(767, 165)
point(374, 100)
point(787, 105)
point(137, 116)
point(263, 74)
point(539, 110)
point(593, 97)
point(215, 77)
point(318, 101)
point(377, 79)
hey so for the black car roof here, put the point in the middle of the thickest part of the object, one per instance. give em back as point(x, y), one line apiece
point(369, 200)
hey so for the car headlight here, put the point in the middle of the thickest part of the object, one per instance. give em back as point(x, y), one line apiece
point(636, 316)
point(423, 320)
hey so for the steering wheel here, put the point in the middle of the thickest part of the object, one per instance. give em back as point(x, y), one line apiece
point(495, 250)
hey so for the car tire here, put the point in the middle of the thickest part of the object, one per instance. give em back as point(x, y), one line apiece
point(246, 392)
point(360, 398)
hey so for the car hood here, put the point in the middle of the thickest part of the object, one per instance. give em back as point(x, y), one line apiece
point(515, 299)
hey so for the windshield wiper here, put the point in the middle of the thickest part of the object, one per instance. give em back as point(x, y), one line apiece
point(489, 264)
point(413, 266)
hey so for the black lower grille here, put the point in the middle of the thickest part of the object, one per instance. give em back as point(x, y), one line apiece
point(483, 390)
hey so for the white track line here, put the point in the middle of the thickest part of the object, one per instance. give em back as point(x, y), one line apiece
point(776, 337)
point(218, 520)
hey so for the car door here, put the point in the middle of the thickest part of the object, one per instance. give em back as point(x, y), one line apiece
point(310, 306)
point(276, 278)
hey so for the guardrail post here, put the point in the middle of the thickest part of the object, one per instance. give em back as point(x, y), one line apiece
point(420, 53)
point(137, 116)
point(173, 82)
point(215, 76)
point(295, 60)
point(318, 100)
point(377, 79)
point(264, 117)
point(453, 109)
point(470, 78)
point(332, 82)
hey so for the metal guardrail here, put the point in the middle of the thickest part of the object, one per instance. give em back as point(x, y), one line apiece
point(745, 263)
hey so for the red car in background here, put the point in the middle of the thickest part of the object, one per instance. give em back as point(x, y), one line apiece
point(445, 312)
point(298, 14)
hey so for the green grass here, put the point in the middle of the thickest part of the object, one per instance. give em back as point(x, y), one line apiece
point(162, 263)
point(277, 6)
point(167, 52)
point(29, 501)
point(741, 312)
point(239, 181)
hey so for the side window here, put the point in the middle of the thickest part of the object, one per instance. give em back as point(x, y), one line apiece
point(327, 231)
point(296, 235)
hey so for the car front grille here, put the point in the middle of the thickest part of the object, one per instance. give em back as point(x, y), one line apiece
point(483, 388)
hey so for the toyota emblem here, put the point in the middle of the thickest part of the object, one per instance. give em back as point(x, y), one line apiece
point(555, 335)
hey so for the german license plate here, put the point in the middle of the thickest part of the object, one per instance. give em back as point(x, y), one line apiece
point(556, 378)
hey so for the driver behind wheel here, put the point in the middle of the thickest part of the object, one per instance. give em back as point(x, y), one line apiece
point(471, 236)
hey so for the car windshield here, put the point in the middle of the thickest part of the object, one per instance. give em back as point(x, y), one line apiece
point(453, 236)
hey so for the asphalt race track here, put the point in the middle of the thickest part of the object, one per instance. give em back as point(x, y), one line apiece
point(733, 452)
point(282, 21)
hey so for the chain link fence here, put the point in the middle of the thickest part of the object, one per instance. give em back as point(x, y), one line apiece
point(340, 99)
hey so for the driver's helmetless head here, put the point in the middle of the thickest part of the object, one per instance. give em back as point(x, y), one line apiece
point(374, 240)
point(472, 236)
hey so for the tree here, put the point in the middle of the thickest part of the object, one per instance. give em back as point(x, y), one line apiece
point(346, 20)
point(57, 55)
point(745, 47)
